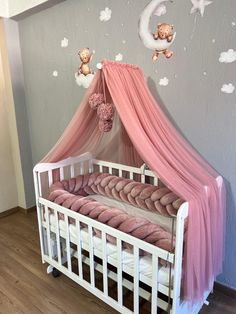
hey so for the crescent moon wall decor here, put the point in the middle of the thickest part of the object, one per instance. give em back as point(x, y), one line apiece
point(159, 45)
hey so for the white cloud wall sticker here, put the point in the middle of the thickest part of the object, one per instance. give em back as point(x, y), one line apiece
point(228, 56)
point(228, 88)
point(105, 15)
point(84, 80)
point(164, 81)
point(64, 42)
point(99, 65)
point(119, 57)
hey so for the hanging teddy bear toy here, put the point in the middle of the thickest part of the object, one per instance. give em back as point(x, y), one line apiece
point(85, 57)
point(163, 31)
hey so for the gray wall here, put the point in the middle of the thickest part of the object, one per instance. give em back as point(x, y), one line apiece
point(193, 99)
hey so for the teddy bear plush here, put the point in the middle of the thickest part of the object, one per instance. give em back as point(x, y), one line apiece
point(85, 57)
point(163, 31)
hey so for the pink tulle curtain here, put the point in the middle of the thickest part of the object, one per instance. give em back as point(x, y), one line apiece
point(83, 135)
point(142, 132)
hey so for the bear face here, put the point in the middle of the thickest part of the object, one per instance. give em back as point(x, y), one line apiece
point(85, 55)
point(164, 31)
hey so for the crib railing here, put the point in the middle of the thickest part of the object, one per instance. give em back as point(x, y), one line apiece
point(60, 249)
point(138, 174)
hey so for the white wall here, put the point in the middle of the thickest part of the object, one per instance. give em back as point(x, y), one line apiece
point(22, 134)
point(12, 192)
point(8, 188)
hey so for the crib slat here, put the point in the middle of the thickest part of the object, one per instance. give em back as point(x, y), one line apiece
point(154, 283)
point(131, 175)
point(72, 171)
point(68, 252)
point(90, 166)
point(48, 233)
point(119, 272)
point(110, 170)
point(50, 180)
point(80, 267)
point(58, 238)
point(155, 181)
point(136, 280)
point(81, 168)
point(61, 173)
point(142, 178)
point(104, 263)
point(39, 184)
point(120, 173)
point(91, 256)
point(100, 168)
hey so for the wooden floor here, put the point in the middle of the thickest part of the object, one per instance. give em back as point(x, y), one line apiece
point(26, 288)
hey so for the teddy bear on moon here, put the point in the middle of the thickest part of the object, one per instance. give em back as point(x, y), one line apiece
point(163, 31)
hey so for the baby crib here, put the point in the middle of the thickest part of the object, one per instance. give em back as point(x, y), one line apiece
point(70, 248)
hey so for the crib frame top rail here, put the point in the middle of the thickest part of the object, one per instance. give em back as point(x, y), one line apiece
point(43, 167)
point(46, 166)
point(80, 160)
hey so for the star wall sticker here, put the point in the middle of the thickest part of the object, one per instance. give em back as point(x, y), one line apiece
point(199, 5)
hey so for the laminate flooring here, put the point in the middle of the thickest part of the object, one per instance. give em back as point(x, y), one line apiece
point(25, 286)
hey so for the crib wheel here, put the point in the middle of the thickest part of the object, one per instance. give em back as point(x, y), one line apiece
point(55, 272)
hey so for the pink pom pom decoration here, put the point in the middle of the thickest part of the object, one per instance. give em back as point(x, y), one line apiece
point(95, 100)
point(105, 112)
point(105, 126)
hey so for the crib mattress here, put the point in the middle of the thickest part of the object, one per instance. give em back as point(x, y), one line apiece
point(145, 262)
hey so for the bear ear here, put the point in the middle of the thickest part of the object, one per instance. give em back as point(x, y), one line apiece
point(159, 24)
point(172, 26)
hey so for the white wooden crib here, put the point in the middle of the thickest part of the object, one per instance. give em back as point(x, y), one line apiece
point(63, 246)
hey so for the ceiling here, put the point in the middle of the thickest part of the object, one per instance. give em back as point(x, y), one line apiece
point(13, 8)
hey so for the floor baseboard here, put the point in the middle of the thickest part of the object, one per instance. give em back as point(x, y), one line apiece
point(226, 290)
point(9, 212)
point(16, 209)
point(28, 210)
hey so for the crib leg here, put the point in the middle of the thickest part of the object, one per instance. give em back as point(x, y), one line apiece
point(54, 271)
point(49, 269)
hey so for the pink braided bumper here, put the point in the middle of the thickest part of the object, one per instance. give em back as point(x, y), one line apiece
point(70, 194)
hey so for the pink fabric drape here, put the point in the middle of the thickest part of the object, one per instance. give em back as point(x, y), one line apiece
point(147, 133)
point(82, 135)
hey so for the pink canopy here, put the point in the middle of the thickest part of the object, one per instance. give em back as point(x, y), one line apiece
point(142, 132)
